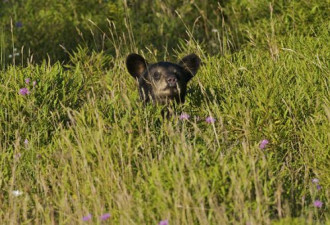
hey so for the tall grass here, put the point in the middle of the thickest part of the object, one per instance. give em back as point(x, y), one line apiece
point(81, 142)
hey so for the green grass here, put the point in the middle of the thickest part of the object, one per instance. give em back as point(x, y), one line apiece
point(93, 147)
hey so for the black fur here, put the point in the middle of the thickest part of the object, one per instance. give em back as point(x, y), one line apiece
point(162, 82)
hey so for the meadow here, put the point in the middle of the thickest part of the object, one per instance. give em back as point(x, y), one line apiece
point(250, 145)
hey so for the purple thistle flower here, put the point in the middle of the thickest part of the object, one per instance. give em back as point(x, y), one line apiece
point(263, 144)
point(318, 204)
point(210, 119)
point(27, 80)
point(105, 216)
point(318, 187)
point(315, 180)
point(163, 222)
point(24, 91)
point(184, 116)
point(87, 218)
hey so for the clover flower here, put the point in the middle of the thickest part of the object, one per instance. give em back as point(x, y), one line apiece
point(105, 216)
point(210, 119)
point(87, 218)
point(24, 91)
point(184, 116)
point(263, 144)
point(315, 180)
point(19, 24)
point(318, 204)
point(163, 222)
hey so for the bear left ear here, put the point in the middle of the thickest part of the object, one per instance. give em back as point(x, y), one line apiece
point(190, 63)
point(136, 65)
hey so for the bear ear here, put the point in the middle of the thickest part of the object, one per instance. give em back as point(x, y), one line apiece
point(190, 63)
point(136, 65)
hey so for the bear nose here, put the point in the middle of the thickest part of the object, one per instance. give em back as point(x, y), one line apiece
point(171, 81)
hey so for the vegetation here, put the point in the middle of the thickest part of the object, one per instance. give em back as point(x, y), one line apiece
point(76, 143)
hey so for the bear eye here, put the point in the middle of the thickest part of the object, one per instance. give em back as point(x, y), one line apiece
point(156, 75)
point(177, 74)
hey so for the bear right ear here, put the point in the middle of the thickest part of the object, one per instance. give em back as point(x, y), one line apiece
point(136, 65)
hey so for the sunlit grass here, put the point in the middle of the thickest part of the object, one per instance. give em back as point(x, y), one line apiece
point(249, 146)
point(92, 148)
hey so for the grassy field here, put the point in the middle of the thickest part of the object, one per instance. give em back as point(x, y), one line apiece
point(78, 147)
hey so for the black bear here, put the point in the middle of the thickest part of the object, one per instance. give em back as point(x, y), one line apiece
point(162, 82)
